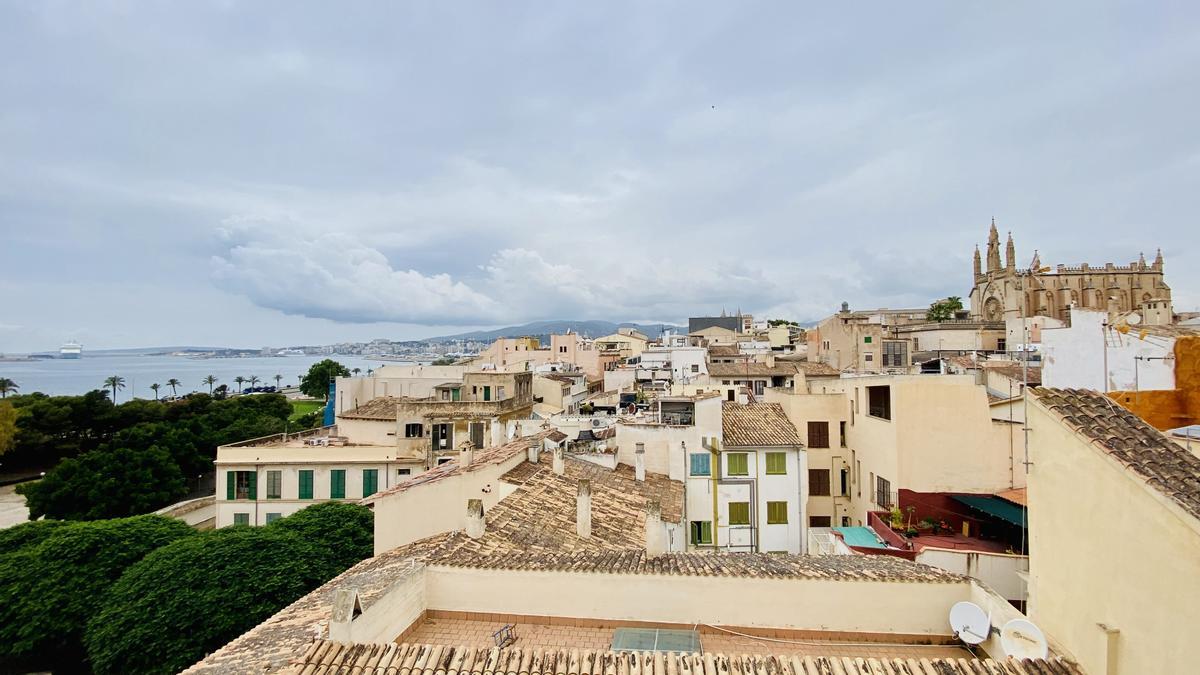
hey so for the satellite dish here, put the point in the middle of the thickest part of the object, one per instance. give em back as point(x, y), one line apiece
point(1021, 639)
point(1133, 319)
point(970, 623)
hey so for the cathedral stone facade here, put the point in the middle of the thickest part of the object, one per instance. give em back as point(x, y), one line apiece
point(1004, 291)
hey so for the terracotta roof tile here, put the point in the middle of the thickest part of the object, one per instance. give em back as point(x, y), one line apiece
point(1015, 371)
point(1015, 495)
point(757, 425)
point(381, 408)
point(1145, 451)
point(331, 658)
point(753, 369)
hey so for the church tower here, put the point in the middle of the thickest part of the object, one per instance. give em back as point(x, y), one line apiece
point(1010, 255)
point(978, 264)
point(993, 252)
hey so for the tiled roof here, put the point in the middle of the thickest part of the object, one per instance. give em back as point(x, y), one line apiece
point(752, 369)
point(817, 369)
point(1015, 495)
point(756, 425)
point(539, 517)
point(381, 408)
point(757, 565)
point(485, 457)
point(1145, 451)
point(556, 436)
point(1015, 371)
point(723, 350)
point(331, 658)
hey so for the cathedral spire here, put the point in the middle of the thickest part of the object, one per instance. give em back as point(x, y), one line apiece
point(978, 264)
point(1036, 264)
point(1158, 261)
point(1141, 261)
point(993, 250)
point(1010, 254)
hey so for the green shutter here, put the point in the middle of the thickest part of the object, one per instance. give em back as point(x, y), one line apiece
point(337, 484)
point(739, 513)
point(776, 463)
point(252, 483)
point(738, 465)
point(230, 485)
point(370, 482)
point(306, 484)
point(777, 513)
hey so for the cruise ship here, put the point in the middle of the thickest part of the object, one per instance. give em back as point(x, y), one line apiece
point(71, 350)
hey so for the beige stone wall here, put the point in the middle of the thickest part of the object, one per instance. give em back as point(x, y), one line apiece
point(802, 408)
point(1106, 549)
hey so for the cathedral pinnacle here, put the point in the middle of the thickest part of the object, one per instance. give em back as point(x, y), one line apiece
point(1010, 254)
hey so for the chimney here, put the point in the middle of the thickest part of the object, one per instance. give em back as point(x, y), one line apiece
point(656, 540)
point(639, 462)
point(534, 452)
point(466, 454)
point(559, 467)
point(475, 522)
point(583, 510)
point(770, 360)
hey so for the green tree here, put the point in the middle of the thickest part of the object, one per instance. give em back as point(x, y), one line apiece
point(210, 380)
point(156, 386)
point(943, 310)
point(347, 529)
point(115, 383)
point(8, 427)
point(278, 379)
point(356, 371)
point(173, 383)
point(106, 484)
point(239, 380)
point(316, 381)
point(27, 534)
point(7, 387)
point(193, 596)
point(254, 380)
point(55, 578)
point(443, 361)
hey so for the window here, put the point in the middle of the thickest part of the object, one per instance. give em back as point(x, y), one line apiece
point(241, 485)
point(701, 464)
point(272, 517)
point(845, 521)
point(370, 482)
point(241, 519)
point(845, 482)
point(414, 430)
point(818, 434)
point(403, 472)
point(306, 484)
point(739, 513)
point(701, 532)
point(883, 492)
point(777, 513)
point(867, 340)
point(443, 460)
point(695, 367)
point(776, 463)
point(274, 484)
point(737, 464)
point(818, 482)
point(820, 521)
point(842, 434)
point(879, 402)
point(562, 349)
point(477, 435)
point(487, 392)
point(895, 354)
point(337, 483)
point(868, 357)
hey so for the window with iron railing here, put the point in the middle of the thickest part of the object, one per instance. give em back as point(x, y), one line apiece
point(883, 492)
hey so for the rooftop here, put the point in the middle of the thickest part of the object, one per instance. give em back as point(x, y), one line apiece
point(753, 369)
point(757, 425)
point(1145, 451)
point(330, 658)
point(1015, 371)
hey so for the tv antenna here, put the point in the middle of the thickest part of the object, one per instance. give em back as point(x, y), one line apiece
point(970, 623)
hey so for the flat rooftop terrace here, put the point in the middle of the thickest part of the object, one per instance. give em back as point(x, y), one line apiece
point(450, 629)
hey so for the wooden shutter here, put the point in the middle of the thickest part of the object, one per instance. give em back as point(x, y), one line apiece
point(252, 484)
point(306, 484)
point(818, 434)
point(818, 482)
point(230, 485)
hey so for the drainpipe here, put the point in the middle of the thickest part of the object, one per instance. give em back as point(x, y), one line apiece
point(715, 476)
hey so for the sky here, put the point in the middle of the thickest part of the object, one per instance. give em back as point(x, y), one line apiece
point(285, 173)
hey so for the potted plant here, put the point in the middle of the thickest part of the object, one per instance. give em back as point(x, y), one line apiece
point(927, 524)
point(897, 519)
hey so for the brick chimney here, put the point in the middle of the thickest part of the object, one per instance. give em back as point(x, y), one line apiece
point(475, 521)
point(559, 466)
point(656, 534)
point(639, 462)
point(583, 509)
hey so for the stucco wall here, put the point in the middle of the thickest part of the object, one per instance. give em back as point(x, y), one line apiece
point(290, 502)
point(998, 570)
point(1105, 549)
point(1076, 356)
point(397, 608)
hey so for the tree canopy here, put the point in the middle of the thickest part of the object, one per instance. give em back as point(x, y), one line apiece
point(189, 598)
point(943, 310)
point(315, 382)
point(54, 577)
point(106, 484)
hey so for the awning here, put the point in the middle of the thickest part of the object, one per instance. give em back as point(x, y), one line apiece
point(994, 506)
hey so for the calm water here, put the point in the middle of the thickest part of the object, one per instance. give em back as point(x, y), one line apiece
point(78, 376)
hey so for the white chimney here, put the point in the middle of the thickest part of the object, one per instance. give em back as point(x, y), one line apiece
point(656, 534)
point(475, 522)
point(466, 455)
point(559, 466)
point(534, 452)
point(639, 462)
point(583, 510)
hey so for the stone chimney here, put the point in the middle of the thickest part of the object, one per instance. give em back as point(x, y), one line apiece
point(475, 521)
point(656, 534)
point(639, 462)
point(560, 467)
point(466, 454)
point(583, 509)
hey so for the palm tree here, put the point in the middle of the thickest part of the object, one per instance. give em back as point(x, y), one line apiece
point(114, 382)
point(172, 383)
point(210, 381)
point(239, 380)
point(370, 371)
point(278, 379)
point(356, 371)
point(155, 387)
point(253, 381)
point(7, 387)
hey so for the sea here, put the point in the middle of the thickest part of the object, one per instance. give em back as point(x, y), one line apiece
point(59, 377)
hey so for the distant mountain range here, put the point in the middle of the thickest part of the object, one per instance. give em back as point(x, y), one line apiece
point(541, 329)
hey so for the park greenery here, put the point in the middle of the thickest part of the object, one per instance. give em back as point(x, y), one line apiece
point(315, 382)
point(148, 594)
point(944, 310)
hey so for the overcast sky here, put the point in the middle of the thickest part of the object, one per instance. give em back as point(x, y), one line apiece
point(294, 173)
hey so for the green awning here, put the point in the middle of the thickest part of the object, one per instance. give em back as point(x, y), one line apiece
point(995, 506)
